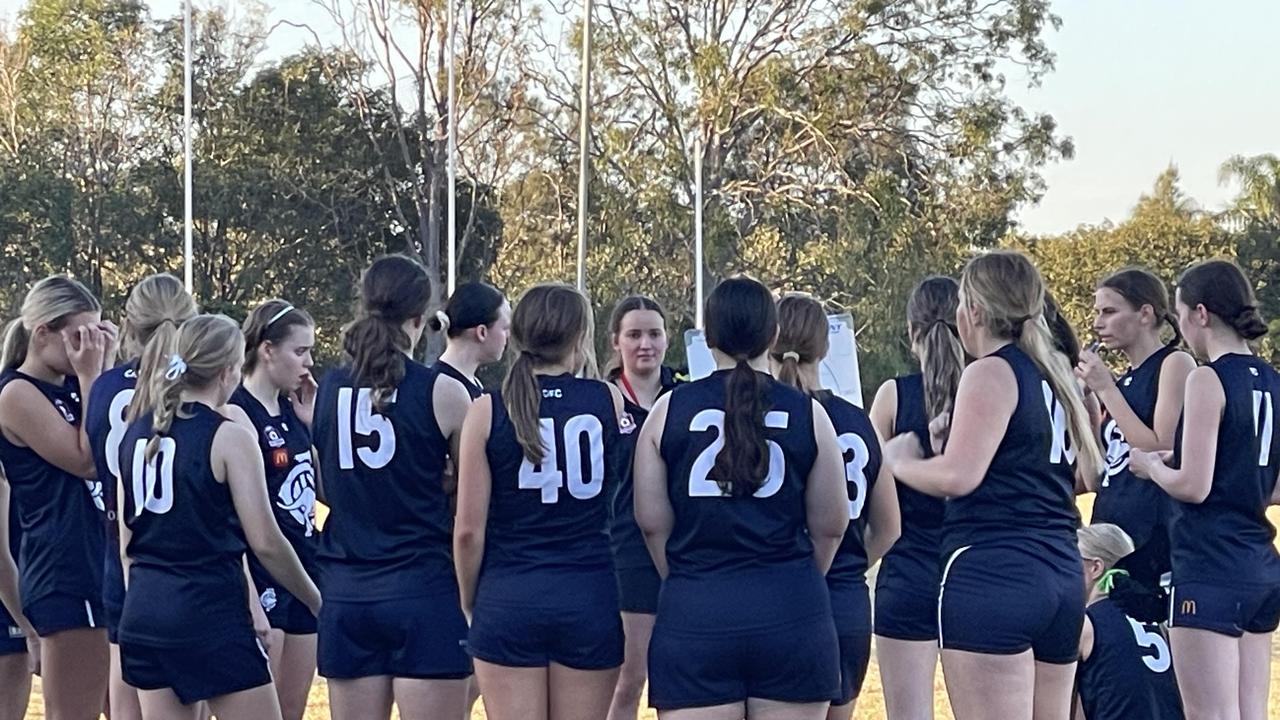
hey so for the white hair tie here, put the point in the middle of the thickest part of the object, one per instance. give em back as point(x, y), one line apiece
point(791, 355)
point(177, 367)
point(443, 318)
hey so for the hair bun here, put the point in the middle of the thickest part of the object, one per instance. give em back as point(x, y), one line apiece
point(1248, 322)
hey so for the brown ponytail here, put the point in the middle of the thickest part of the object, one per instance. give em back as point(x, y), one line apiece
point(550, 323)
point(395, 288)
point(803, 339)
point(931, 320)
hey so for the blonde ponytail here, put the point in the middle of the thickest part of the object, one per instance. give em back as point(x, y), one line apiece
point(1037, 342)
point(1010, 293)
point(16, 340)
point(177, 359)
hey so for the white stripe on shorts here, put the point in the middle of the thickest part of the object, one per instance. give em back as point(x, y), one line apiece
point(88, 610)
point(943, 588)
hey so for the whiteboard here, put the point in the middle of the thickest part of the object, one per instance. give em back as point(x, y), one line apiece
point(838, 371)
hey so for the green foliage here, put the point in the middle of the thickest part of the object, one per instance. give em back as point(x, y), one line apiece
point(849, 148)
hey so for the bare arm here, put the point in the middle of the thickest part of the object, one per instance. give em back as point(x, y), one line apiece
point(884, 519)
point(450, 402)
point(983, 408)
point(826, 500)
point(1191, 483)
point(27, 419)
point(9, 594)
point(237, 461)
point(30, 421)
point(654, 513)
point(1169, 398)
point(884, 409)
point(475, 485)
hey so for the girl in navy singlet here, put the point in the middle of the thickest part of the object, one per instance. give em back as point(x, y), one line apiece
point(874, 522)
point(278, 395)
point(1225, 601)
point(740, 490)
point(19, 647)
point(1126, 669)
point(157, 300)
point(638, 331)
point(1009, 603)
point(52, 356)
point(392, 631)
point(192, 499)
point(1141, 410)
point(477, 320)
point(906, 597)
point(531, 541)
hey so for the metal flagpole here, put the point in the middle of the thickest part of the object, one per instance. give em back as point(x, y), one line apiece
point(186, 144)
point(584, 150)
point(697, 228)
point(452, 202)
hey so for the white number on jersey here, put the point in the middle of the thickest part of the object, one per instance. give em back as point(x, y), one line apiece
point(367, 423)
point(1263, 421)
point(701, 486)
point(115, 435)
point(855, 470)
point(547, 476)
point(1147, 639)
point(153, 479)
point(1058, 417)
point(1117, 451)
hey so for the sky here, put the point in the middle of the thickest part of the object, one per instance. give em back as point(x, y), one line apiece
point(1139, 85)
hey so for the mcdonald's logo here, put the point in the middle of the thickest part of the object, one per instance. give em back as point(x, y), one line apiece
point(1188, 607)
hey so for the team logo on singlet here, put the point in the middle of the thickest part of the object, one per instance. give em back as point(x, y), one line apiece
point(15, 633)
point(66, 412)
point(298, 493)
point(273, 436)
point(626, 424)
point(268, 599)
point(95, 492)
point(131, 374)
point(1117, 448)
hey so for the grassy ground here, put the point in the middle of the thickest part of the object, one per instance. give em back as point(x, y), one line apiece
point(870, 704)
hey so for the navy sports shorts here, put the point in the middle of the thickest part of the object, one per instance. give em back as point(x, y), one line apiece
point(55, 613)
point(907, 610)
point(209, 669)
point(416, 637)
point(851, 606)
point(559, 618)
point(1005, 599)
point(798, 662)
point(1225, 609)
point(906, 598)
point(286, 612)
point(638, 589)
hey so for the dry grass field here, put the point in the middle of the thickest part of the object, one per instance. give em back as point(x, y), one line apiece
point(870, 704)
